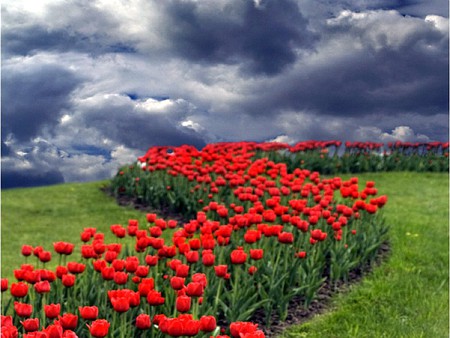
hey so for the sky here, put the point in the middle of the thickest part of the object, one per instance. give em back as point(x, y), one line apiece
point(90, 85)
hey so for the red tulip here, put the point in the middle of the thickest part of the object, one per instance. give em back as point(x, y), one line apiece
point(221, 270)
point(252, 270)
point(208, 260)
point(192, 256)
point(154, 298)
point(23, 309)
point(42, 287)
point(151, 260)
point(88, 312)
point(142, 271)
point(238, 328)
point(177, 283)
point(68, 321)
point(69, 334)
point(208, 323)
point(110, 256)
point(200, 278)
point(4, 284)
point(61, 271)
point(68, 280)
point(146, 285)
point(63, 248)
point(30, 324)
point(99, 328)
point(45, 256)
point(120, 277)
point(19, 289)
point(238, 256)
point(108, 273)
point(143, 321)
point(75, 267)
point(182, 270)
point(256, 254)
point(52, 310)
point(286, 237)
point(120, 304)
point(183, 303)
point(151, 218)
point(27, 250)
point(194, 289)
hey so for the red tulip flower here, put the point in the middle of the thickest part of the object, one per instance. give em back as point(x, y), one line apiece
point(145, 286)
point(177, 283)
point(30, 324)
point(143, 321)
point(68, 280)
point(75, 267)
point(194, 289)
point(256, 254)
point(192, 256)
point(99, 328)
point(4, 284)
point(45, 256)
point(241, 328)
point(120, 304)
point(238, 256)
point(286, 237)
point(221, 270)
point(88, 312)
point(42, 287)
point(208, 260)
point(69, 334)
point(142, 271)
point(151, 260)
point(63, 248)
point(27, 250)
point(19, 289)
point(52, 310)
point(183, 303)
point(154, 298)
point(208, 323)
point(108, 273)
point(120, 277)
point(23, 309)
point(68, 321)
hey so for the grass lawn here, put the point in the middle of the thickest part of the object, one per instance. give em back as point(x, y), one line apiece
point(408, 296)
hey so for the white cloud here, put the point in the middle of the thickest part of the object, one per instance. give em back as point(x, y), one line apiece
point(399, 133)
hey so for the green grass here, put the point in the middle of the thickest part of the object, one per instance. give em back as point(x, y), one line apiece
point(41, 216)
point(408, 296)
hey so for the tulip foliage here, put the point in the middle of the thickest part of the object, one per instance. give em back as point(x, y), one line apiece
point(258, 234)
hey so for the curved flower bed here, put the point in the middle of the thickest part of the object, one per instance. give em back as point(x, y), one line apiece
point(258, 235)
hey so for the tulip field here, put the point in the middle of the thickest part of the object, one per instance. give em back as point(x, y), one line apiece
point(247, 229)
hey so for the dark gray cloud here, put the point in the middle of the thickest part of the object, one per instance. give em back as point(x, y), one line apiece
point(135, 128)
point(265, 38)
point(13, 178)
point(78, 77)
point(34, 98)
point(78, 25)
point(384, 73)
point(34, 38)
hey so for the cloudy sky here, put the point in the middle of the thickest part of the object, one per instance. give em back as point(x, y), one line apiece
point(89, 85)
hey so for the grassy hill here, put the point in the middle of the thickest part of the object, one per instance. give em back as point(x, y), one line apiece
point(408, 296)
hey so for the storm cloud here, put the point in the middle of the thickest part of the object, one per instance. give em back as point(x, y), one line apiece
point(88, 86)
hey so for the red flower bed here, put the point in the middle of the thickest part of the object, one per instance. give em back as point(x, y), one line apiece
point(259, 235)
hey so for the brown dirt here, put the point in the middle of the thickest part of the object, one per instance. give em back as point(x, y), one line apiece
point(297, 313)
